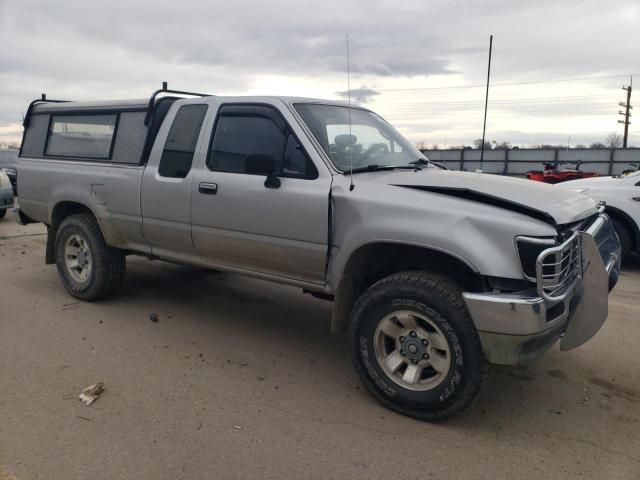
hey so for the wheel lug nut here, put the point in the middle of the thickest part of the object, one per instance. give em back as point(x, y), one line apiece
point(413, 334)
point(424, 342)
point(414, 361)
point(401, 352)
point(426, 356)
point(401, 339)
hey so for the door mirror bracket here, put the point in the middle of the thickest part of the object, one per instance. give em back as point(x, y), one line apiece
point(272, 181)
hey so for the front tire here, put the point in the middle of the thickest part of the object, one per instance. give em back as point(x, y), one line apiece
point(88, 268)
point(415, 347)
point(624, 236)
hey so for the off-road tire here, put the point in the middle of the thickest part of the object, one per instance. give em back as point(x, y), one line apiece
point(440, 299)
point(3, 213)
point(108, 263)
point(624, 235)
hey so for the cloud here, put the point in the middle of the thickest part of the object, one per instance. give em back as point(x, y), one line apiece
point(96, 50)
point(360, 95)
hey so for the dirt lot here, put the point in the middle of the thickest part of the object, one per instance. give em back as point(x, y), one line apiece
point(242, 379)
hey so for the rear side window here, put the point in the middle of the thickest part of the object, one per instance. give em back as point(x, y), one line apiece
point(81, 136)
point(180, 146)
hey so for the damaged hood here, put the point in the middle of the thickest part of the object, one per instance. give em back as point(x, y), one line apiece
point(536, 199)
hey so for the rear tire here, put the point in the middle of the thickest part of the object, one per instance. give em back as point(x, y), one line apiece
point(3, 213)
point(415, 347)
point(624, 235)
point(88, 267)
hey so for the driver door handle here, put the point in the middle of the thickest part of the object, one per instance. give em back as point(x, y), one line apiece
point(208, 188)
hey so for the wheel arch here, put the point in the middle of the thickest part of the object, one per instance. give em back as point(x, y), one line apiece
point(627, 221)
point(64, 209)
point(373, 261)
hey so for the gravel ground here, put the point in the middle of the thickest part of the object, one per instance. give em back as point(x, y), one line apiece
point(240, 378)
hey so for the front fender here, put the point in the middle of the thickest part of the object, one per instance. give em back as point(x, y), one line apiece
point(481, 236)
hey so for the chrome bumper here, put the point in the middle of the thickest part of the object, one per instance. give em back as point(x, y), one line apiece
point(517, 327)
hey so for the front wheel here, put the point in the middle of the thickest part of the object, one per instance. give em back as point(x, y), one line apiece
point(624, 236)
point(415, 347)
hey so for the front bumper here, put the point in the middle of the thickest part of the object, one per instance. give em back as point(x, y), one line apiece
point(520, 326)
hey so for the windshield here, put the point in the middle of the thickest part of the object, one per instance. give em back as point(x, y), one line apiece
point(368, 139)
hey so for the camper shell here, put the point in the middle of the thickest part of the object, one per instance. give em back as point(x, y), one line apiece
point(124, 132)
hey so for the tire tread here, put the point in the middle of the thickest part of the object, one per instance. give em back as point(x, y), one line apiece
point(451, 293)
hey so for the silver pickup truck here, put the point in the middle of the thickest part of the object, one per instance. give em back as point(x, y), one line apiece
point(435, 274)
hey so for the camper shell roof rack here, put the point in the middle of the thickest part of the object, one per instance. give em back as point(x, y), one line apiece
point(152, 101)
point(151, 106)
point(42, 99)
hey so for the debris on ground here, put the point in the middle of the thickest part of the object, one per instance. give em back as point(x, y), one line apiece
point(91, 393)
point(67, 396)
point(238, 427)
point(154, 317)
point(261, 377)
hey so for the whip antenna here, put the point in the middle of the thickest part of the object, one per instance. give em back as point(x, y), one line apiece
point(351, 186)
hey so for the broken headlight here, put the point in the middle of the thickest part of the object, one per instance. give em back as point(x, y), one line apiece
point(529, 248)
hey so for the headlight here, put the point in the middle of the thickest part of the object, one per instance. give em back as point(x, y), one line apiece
point(529, 248)
point(4, 180)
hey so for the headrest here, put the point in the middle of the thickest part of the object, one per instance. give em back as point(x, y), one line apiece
point(346, 140)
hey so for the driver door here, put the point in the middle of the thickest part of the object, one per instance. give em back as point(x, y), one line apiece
point(243, 221)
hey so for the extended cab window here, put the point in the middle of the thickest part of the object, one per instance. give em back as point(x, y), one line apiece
point(246, 132)
point(81, 136)
point(180, 146)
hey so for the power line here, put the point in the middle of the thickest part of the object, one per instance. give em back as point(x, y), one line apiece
point(573, 79)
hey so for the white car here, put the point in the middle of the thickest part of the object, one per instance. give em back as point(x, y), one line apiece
point(622, 198)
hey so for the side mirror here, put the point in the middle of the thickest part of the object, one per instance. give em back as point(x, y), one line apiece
point(261, 164)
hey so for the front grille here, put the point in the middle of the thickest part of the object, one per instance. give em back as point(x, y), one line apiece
point(558, 268)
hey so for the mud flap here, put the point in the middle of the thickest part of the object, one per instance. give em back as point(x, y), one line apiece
point(590, 306)
point(50, 252)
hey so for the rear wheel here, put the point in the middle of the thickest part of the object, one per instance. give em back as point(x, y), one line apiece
point(3, 213)
point(88, 267)
point(415, 347)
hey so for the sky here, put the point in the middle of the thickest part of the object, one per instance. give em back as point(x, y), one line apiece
point(557, 72)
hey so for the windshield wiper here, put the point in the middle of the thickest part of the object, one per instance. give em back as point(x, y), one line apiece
point(376, 168)
point(424, 161)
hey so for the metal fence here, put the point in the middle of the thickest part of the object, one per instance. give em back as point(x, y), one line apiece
point(517, 162)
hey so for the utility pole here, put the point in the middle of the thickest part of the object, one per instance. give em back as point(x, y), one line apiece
point(486, 101)
point(627, 114)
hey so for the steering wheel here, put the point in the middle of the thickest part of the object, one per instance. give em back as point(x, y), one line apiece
point(375, 147)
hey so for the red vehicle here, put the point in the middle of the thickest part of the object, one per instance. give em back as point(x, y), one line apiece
point(553, 174)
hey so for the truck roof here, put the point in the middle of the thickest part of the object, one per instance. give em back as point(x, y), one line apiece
point(143, 103)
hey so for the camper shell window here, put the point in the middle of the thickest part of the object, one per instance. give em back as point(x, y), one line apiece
point(81, 136)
